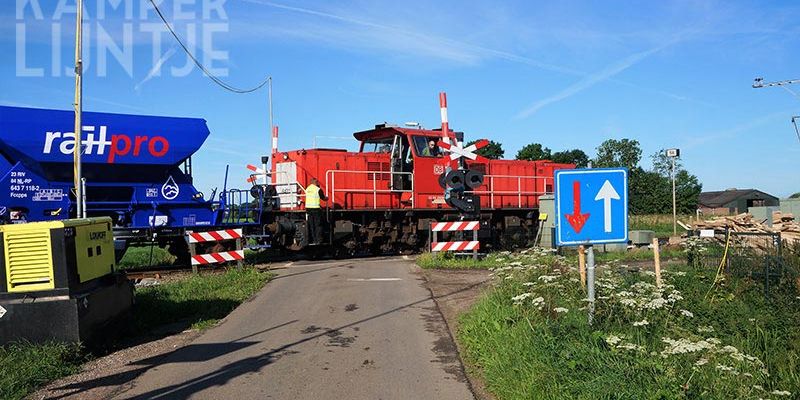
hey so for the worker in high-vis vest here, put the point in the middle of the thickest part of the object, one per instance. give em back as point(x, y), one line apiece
point(314, 196)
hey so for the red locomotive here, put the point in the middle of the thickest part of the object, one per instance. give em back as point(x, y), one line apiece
point(384, 197)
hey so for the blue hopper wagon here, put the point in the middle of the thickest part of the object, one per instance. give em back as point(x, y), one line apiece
point(137, 171)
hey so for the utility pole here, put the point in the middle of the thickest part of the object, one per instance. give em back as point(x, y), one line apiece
point(77, 149)
point(673, 154)
point(271, 122)
point(759, 83)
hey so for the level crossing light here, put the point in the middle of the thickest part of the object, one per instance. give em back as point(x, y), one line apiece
point(673, 154)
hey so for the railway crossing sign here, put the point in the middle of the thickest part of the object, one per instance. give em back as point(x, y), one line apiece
point(457, 151)
point(591, 206)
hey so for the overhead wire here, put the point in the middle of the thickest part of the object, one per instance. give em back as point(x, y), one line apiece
point(208, 73)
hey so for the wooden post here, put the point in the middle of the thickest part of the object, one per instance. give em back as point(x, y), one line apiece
point(582, 264)
point(192, 253)
point(657, 258)
point(240, 246)
point(475, 252)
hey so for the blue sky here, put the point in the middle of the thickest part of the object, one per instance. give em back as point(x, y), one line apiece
point(567, 74)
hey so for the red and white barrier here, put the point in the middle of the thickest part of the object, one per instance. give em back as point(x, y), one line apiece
point(214, 236)
point(456, 246)
point(213, 258)
point(192, 238)
point(456, 226)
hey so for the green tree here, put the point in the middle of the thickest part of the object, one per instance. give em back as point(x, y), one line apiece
point(650, 193)
point(795, 196)
point(533, 152)
point(576, 156)
point(687, 192)
point(492, 151)
point(618, 153)
point(687, 186)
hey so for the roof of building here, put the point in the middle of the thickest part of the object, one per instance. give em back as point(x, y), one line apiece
point(722, 197)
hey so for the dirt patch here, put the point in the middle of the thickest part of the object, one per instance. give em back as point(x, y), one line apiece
point(101, 378)
point(455, 291)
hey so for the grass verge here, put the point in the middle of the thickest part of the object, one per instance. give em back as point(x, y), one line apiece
point(146, 256)
point(661, 224)
point(196, 301)
point(199, 300)
point(24, 366)
point(530, 336)
point(447, 260)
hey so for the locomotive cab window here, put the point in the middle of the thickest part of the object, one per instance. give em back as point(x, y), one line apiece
point(427, 146)
point(383, 145)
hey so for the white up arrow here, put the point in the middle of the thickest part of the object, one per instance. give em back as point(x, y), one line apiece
point(607, 193)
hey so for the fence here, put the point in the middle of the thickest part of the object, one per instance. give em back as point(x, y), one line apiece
point(759, 256)
point(370, 187)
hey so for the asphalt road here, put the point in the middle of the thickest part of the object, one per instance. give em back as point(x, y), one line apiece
point(355, 329)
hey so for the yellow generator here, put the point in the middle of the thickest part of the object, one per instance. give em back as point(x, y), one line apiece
point(58, 280)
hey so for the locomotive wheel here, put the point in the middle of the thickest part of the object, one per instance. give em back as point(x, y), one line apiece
point(180, 250)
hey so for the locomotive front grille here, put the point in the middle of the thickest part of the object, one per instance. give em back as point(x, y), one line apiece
point(28, 259)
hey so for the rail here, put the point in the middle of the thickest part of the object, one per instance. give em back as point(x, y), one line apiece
point(330, 182)
point(519, 192)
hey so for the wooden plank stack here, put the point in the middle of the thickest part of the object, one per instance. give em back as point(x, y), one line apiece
point(784, 224)
point(787, 226)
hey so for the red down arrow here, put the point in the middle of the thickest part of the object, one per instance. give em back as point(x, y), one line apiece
point(576, 219)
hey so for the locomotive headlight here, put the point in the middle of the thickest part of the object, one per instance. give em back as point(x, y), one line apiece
point(285, 156)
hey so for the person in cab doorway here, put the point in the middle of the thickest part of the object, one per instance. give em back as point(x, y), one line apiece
point(314, 195)
point(432, 150)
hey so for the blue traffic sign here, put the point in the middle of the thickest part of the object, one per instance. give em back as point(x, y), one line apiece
point(592, 206)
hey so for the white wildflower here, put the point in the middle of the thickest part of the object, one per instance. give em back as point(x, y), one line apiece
point(528, 283)
point(655, 304)
point(547, 278)
point(675, 296)
point(628, 302)
point(560, 309)
point(683, 346)
point(641, 323)
point(613, 340)
point(729, 349)
point(758, 387)
point(515, 263)
point(705, 329)
point(630, 346)
point(702, 361)
point(781, 393)
point(519, 299)
point(687, 313)
point(723, 367)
